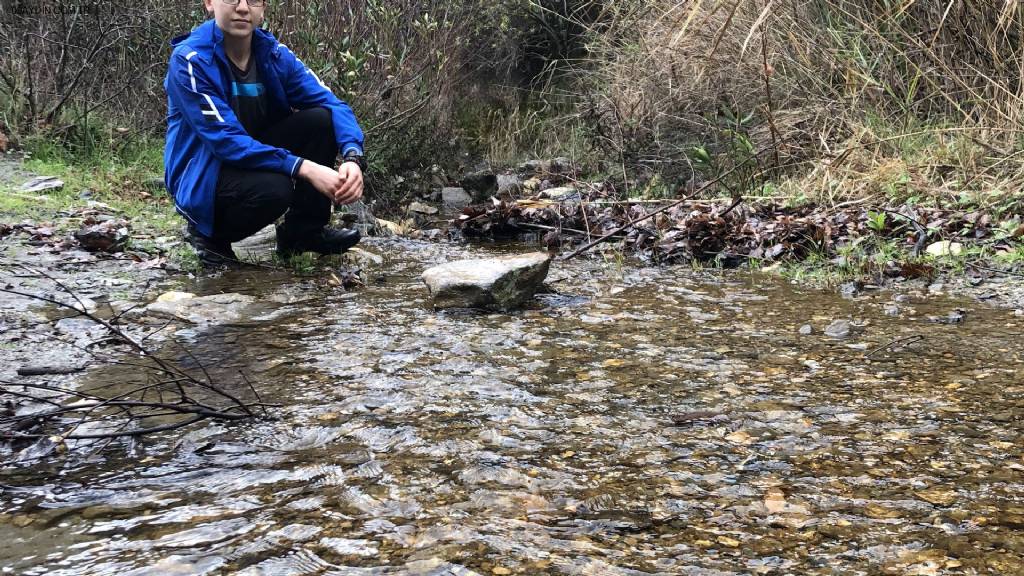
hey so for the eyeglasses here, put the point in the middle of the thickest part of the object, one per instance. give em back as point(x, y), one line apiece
point(252, 3)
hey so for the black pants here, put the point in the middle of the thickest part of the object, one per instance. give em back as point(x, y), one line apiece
point(248, 200)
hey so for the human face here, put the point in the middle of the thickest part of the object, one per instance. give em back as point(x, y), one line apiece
point(237, 21)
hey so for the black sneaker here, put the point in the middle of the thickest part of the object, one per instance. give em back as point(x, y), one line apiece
point(212, 254)
point(326, 241)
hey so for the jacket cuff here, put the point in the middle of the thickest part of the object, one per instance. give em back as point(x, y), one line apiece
point(292, 164)
point(350, 147)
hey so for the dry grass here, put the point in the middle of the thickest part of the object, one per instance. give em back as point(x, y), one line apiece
point(847, 100)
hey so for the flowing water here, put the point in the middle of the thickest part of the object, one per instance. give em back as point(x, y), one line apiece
point(640, 421)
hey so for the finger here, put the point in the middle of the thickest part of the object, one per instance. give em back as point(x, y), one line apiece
point(343, 197)
point(352, 195)
point(357, 191)
point(349, 187)
point(346, 198)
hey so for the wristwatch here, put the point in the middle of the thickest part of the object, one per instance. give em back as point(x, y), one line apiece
point(359, 159)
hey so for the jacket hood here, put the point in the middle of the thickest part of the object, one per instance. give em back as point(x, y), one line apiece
point(207, 35)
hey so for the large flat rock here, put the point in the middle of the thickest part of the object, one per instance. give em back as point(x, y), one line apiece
point(215, 309)
point(505, 282)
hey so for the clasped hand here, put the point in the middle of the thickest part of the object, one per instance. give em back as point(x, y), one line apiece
point(343, 186)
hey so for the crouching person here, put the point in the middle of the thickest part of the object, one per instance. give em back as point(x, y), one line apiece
point(252, 134)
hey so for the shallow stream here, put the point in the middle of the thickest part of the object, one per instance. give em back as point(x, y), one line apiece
point(640, 421)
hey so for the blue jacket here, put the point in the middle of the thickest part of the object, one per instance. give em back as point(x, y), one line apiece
point(203, 132)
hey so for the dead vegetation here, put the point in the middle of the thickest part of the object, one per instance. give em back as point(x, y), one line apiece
point(154, 394)
point(892, 100)
point(736, 233)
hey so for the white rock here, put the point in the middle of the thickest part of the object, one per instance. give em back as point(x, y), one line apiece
point(504, 282)
point(945, 248)
point(214, 309)
point(561, 193)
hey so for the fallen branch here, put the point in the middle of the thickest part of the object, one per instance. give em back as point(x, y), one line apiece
point(174, 393)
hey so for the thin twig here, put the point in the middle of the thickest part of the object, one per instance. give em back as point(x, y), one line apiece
point(896, 342)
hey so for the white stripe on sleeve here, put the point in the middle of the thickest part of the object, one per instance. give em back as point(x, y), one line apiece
point(213, 109)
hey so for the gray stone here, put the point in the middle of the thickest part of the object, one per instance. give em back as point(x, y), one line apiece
point(850, 289)
point(42, 184)
point(806, 330)
point(560, 165)
point(504, 282)
point(533, 166)
point(509, 184)
point(214, 309)
point(455, 198)
point(891, 310)
point(839, 329)
point(480, 185)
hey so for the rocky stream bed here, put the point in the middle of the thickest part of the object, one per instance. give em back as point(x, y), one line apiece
point(634, 420)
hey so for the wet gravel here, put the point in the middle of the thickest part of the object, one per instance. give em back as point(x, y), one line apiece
point(638, 421)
